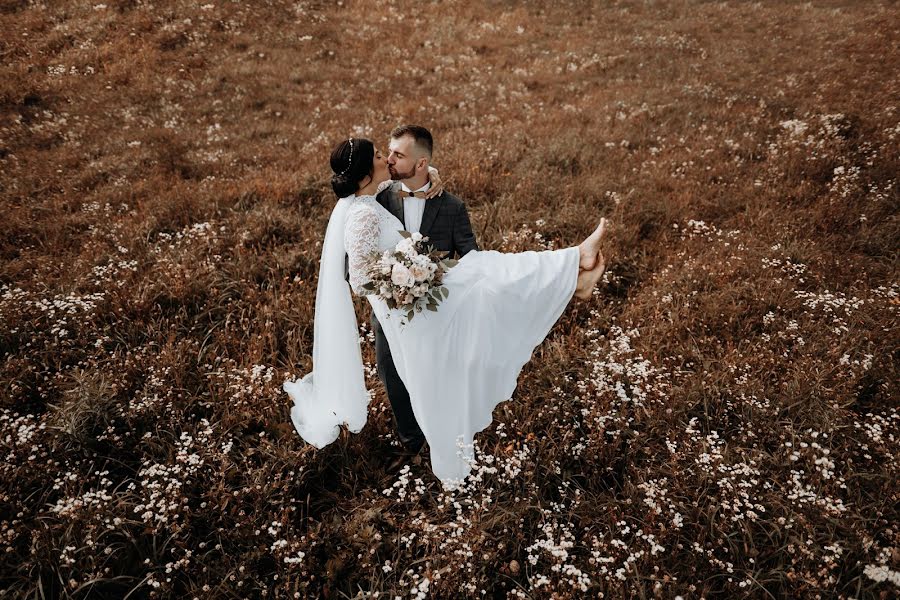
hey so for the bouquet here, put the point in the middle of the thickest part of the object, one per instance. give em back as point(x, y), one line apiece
point(409, 277)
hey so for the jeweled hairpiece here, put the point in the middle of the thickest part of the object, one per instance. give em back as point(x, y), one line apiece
point(349, 160)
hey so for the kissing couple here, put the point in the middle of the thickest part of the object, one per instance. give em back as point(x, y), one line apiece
point(446, 370)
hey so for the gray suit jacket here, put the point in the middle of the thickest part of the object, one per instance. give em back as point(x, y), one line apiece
point(445, 221)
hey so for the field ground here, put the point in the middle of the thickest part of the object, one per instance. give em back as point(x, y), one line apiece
point(720, 421)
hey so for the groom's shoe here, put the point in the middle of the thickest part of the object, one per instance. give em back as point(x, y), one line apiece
point(403, 456)
point(415, 446)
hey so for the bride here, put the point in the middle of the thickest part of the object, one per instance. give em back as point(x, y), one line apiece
point(457, 363)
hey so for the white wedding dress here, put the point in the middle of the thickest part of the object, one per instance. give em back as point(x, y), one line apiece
point(457, 363)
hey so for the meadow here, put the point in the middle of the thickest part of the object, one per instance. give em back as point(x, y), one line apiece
point(720, 420)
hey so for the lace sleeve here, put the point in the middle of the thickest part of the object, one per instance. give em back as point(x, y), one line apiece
point(360, 241)
point(384, 185)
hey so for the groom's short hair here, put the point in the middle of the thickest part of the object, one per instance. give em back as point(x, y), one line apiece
point(421, 136)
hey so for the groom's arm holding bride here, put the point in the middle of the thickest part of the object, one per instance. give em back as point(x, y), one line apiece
point(452, 230)
point(463, 236)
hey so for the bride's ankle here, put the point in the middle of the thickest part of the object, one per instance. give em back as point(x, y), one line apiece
point(587, 257)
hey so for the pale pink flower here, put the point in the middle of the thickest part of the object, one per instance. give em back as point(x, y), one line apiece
point(419, 272)
point(400, 275)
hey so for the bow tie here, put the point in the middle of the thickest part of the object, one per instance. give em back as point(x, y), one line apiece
point(405, 194)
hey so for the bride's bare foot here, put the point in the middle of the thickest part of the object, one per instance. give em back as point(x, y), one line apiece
point(587, 280)
point(592, 263)
point(590, 248)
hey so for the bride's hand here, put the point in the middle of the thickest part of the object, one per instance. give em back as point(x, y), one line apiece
point(437, 186)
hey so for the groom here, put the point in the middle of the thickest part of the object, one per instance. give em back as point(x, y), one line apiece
point(445, 221)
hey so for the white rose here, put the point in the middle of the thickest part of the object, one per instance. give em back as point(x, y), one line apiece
point(417, 237)
point(401, 276)
point(407, 247)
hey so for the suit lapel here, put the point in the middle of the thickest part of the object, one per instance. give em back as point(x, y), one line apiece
point(396, 205)
point(430, 214)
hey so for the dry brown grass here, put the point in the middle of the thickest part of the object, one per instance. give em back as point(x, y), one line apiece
point(721, 421)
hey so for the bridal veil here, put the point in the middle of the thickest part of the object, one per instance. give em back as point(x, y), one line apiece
point(335, 391)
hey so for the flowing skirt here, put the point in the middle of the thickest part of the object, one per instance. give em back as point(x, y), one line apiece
point(460, 362)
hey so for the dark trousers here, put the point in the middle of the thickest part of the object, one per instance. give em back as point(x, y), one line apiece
point(408, 429)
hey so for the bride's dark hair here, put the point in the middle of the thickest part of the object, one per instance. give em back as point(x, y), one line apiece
point(351, 162)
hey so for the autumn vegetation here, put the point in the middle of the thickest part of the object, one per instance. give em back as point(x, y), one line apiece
point(721, 420)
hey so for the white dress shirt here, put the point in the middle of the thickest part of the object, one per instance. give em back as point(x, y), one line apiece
point(413, 208)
